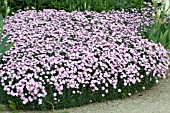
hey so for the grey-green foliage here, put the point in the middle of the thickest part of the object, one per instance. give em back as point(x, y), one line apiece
point(3, 41)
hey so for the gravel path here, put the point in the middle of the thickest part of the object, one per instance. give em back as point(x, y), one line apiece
point(156, 100)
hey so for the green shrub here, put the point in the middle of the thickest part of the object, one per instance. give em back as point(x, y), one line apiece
point(72, 5)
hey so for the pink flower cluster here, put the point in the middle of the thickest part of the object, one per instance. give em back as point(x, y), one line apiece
point(77, 49)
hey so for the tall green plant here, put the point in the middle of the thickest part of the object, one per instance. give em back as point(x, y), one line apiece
point(3, 41)
point(159, 31)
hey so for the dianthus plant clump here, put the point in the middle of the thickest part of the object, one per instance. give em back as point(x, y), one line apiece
point(78, 49)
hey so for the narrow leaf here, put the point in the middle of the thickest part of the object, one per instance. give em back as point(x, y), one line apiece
point(6, 48)
point(1, 20)
point(163, 38)
point(4, 42)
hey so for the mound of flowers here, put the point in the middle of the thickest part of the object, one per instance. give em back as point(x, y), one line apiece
point(57, 53)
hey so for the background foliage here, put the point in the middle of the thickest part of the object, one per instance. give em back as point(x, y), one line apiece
point(72, 5)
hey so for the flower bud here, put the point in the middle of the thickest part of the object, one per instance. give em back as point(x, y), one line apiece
point(6, 3)
point(7, 10)
point(158, 13)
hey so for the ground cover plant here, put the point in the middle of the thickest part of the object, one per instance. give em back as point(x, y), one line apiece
point(63, 59)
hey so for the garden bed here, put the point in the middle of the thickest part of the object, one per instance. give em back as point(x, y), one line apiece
point(63, 59)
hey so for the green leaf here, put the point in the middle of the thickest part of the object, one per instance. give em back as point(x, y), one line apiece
point(152, 35)
point(157, 35)
point(0, 35)
point(163, 28)
point(12, 105)
point(168, 27)
point(1, 25)
point(168, 39)
point(162, 39)
point(6, 48)
point(168, 47)
point(7, 10)
point(1, 21)
point(1, 107)
point(4, 42)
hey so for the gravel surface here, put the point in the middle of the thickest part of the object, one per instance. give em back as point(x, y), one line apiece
point(155, 100)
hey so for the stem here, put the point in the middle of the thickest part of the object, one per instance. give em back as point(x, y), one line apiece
point(51, 104)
